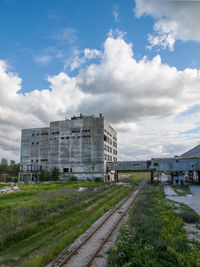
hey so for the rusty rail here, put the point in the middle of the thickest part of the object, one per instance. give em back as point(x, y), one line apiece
point(69, 256)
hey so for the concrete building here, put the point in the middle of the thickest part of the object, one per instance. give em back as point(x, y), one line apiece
point(194, 152)
point(80, 146)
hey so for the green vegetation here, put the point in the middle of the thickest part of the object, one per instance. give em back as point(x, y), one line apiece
point(49, 176)
point(42, 219)
point(8, 172)
point(154, 235)
point(182, 190)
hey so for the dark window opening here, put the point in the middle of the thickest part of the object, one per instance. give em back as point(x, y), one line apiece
point(70, 169)
point(155, 164)
point(65, 169)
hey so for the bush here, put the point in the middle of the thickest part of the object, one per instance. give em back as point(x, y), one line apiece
point(55, 174)
point(98, 179)
point(189, 218)
point(44, 176)
point(73, 179)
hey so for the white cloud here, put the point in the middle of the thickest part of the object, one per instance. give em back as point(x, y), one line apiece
point(67, 35)
point(47, 55)
point(115, 13)
point(175, 20)
point(144, 100)
point(80, 58)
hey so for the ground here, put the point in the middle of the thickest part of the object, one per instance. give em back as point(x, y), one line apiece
point(42, 219)
point(159, 232)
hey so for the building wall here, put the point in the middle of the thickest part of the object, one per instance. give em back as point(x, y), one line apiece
point(76, 146)
point(110, 148)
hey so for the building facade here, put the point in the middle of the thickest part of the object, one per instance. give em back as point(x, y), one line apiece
point(80, 146)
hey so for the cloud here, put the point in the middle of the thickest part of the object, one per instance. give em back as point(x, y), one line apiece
point(115, 13)
point(47, 55)
point(80, 58)
point(153, 106)
point(175, 20)
point(67, 35)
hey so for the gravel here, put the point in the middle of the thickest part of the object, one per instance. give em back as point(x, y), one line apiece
point(80, 259)
point(193, 201)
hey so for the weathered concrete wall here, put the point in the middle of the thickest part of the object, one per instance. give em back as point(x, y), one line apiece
point(110, 148)
point(35, 147)
point(128, 166)
point(175, 164)
point(76, 146)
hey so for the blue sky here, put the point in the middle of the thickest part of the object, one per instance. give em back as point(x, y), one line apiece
point(61, 45)
point(29, 30)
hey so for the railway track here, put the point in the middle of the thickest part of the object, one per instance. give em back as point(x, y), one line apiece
point(86, 252)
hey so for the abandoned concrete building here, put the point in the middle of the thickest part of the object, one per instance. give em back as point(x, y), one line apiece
point(80, 146)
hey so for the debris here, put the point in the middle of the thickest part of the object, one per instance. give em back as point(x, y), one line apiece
point(124, 184)
point(7, 190)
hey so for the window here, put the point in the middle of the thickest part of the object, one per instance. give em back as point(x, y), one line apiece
point(44, 133)
point(155, 164)
point(32, 143)
point(33, 134)
point(70, 169)
point(62, 137)
point(65, 169)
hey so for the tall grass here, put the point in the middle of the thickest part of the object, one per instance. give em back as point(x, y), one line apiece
point(154, 235)
point(41, 220)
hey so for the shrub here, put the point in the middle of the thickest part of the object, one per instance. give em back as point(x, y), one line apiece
point(74, 179)
point(44, 176)
point(98, 179)
point(189, 218)
point(55, 174)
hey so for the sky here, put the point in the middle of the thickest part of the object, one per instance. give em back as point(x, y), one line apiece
point(136, 62)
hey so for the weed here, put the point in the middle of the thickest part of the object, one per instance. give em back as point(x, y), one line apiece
point(154, 235)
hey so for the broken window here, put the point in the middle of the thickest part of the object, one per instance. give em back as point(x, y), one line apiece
point(65, 169)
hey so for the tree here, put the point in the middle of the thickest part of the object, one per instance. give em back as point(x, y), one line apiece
point(4, 162)
point(55, 173)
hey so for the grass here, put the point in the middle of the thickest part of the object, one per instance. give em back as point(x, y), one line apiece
point(154, 235)
point(42, 219)
point(182, 190)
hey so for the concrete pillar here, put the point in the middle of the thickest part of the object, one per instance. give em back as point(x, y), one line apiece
point(198, 175)
point(151, 177)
